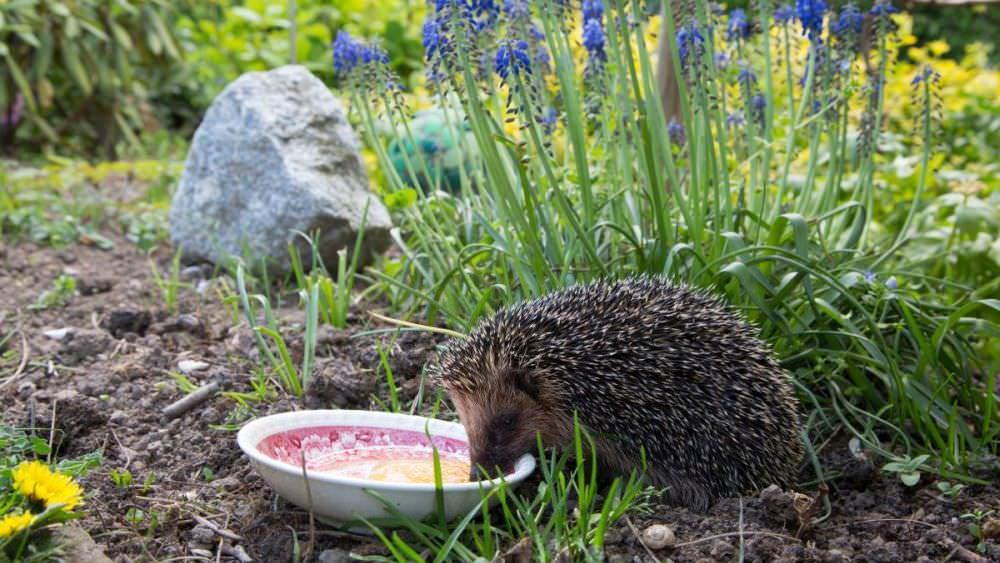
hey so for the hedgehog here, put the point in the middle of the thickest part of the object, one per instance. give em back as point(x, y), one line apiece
point(665, 378)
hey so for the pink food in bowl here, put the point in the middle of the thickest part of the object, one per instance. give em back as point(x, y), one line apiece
point(370, 453)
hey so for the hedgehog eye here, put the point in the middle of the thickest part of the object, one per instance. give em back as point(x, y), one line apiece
point(507, 421)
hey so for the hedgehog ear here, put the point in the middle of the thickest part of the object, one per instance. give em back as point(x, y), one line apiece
point(525, 380)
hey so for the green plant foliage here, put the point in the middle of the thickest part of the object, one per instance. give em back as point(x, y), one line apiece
point(767, 188)
point(226, 38)
point(61, 203)
point(80, 75)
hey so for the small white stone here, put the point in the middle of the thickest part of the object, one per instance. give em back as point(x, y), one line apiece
point(57, 333)
point(202, 287)
point(190, 366)
point(658, 536)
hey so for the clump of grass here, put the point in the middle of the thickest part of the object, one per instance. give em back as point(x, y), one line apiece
point(170, 284)
point(270, 342)
point(334, 293)
point(567, 516)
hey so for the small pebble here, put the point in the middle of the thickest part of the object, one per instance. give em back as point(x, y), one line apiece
point(835, 556)
point(188, 322)
point(991, 528)
point(192, 273)
point(202, 534)
point(190, 366)
point(57, 333)
point(658, 536)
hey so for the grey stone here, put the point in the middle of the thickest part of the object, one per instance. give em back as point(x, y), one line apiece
point(275, 155)
point(335, 555)
point(78, 546)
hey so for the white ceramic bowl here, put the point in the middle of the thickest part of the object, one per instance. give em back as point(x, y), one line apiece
point(273, 444)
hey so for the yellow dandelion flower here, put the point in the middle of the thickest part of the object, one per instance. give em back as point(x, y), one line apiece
point(34, 479)
point(15, 523)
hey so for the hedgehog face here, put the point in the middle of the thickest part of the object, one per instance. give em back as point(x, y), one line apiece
point(503, 421)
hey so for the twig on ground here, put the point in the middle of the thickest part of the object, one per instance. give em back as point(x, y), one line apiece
point(25, 352)
point(52, 432)
point(237, 552)
point(191, 400)
point(128, 458)
point(900, 520)
point(961, 553)
point(216, 528)
point(744, 533)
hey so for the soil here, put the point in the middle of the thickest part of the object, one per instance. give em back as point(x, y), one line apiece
point(107, 378)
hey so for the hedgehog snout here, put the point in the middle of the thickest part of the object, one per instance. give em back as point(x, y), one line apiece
point(490, 464)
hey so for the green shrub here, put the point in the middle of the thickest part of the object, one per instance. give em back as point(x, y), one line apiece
point(79, 75)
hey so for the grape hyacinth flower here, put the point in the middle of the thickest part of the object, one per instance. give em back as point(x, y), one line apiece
point(746, 77)
point(512, 57)
point(882, 9)
point(810, 14)
point(373, 54)
point(541, 57)
point(735, 119)
point(593, 40)
point(592, 10)
point(485, 14)
point(869, 276)
point(784, 15)
point(517, 9)
point(690, 44)
point(676, 132)
point(739, 27)
point(847, 26)
point(346, 54)
point(758, 105)
point(721, 61)
point(549, 120)
point(434, 39)
point(926, 74)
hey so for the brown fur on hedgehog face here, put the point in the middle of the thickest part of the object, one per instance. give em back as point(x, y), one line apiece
point(503, 420)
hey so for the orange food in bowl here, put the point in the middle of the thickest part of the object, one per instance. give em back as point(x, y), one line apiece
point(419, 471)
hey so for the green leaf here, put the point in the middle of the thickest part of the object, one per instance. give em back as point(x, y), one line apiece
point(910, 479)
point(75, 67)
point(21, 81)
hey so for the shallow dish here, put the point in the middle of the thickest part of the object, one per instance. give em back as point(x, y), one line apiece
point(275, 444)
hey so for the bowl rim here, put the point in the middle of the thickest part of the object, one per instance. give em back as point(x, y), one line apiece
point(523, 467)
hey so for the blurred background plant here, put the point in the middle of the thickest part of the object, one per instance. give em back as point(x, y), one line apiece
point(104, 79)
point(82, 75)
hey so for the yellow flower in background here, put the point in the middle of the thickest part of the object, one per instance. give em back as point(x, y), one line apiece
point(35, 480)
point(15, 523)
point(939, 47)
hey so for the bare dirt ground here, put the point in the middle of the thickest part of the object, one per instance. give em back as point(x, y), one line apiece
point(106, 379)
